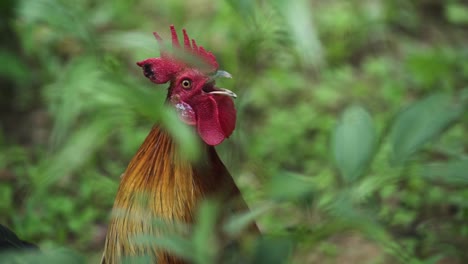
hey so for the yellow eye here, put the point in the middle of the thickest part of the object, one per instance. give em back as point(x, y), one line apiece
point(186, 84)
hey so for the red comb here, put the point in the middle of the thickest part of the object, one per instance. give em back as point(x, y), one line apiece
point(190, 46)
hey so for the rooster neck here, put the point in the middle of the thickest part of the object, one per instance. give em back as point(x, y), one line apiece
point(160, 184)
point(173, 184)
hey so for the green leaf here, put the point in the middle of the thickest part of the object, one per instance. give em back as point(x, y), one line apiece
point(59, 255)
point(12, 68)
point(457, 13)
point(353, 143)
point(420, 123)
point(173, 243)
point(182, 134)
point(304, 33)
point(79, 149)
point(289, 186)
point(245, 8)
point(6, 195)
point(136, 259)
point(204, 243)
point(453, 172)
point(273, 250)
point(237, 223)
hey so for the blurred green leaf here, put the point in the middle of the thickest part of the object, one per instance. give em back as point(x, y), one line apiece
point(239, 222)
point(433, 68)
point(6, 198)
point(353, 143)
point(452, 172)
point(185, 136)
point(136, 260)
point(244, 7)
point(13, 68)
point(172, 243)
point(204, 243)
point(64, 17)
point(59, 255)
point(302, 28)
point(78, 150)
point(457, 13)
point(420, 123)
point(272, 250)
point(141, 42)
point(288, 186)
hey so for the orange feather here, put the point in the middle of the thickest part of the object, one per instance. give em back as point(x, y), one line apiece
point(160, 184)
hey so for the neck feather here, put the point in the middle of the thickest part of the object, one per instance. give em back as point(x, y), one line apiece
point(160, 184)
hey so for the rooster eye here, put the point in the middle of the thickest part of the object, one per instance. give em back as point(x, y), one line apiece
point(186, 84)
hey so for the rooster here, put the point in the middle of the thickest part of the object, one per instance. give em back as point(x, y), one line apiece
point(159, 183)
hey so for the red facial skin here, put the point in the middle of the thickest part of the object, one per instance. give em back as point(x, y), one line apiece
point(214, 115)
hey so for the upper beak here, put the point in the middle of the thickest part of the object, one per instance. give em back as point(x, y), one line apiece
point(221, 74)
point(222, 91)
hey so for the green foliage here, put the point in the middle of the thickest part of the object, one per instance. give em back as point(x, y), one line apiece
point(353, 143)
point(452, 172)
point(350, 145)
point(53, 256)
point(457, 13)
point(421, 122)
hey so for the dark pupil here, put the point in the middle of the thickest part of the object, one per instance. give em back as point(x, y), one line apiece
point(186, 83)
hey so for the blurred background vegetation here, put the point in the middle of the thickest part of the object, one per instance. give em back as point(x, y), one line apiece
point(352, 125)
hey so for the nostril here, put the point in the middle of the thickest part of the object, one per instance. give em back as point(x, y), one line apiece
point(209, 87)
point(148, 71)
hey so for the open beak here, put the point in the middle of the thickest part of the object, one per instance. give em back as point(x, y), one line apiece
point(221, 91)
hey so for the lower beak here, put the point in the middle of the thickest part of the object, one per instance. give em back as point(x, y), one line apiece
point(223, 91)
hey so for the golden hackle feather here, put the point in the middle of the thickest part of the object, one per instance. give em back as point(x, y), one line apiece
point(160, 184)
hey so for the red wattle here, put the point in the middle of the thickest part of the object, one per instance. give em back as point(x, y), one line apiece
point(216, 118)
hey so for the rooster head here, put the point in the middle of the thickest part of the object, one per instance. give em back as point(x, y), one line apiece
point(192, 73)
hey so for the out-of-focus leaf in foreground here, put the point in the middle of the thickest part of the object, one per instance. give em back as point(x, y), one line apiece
point(353, 143)
point(288, 185)
point(237, 223)
point(420, 123)
point(61, 255)
point(452, 172)
point(272, 250)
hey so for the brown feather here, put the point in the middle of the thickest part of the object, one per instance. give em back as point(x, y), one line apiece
point(160, 184)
